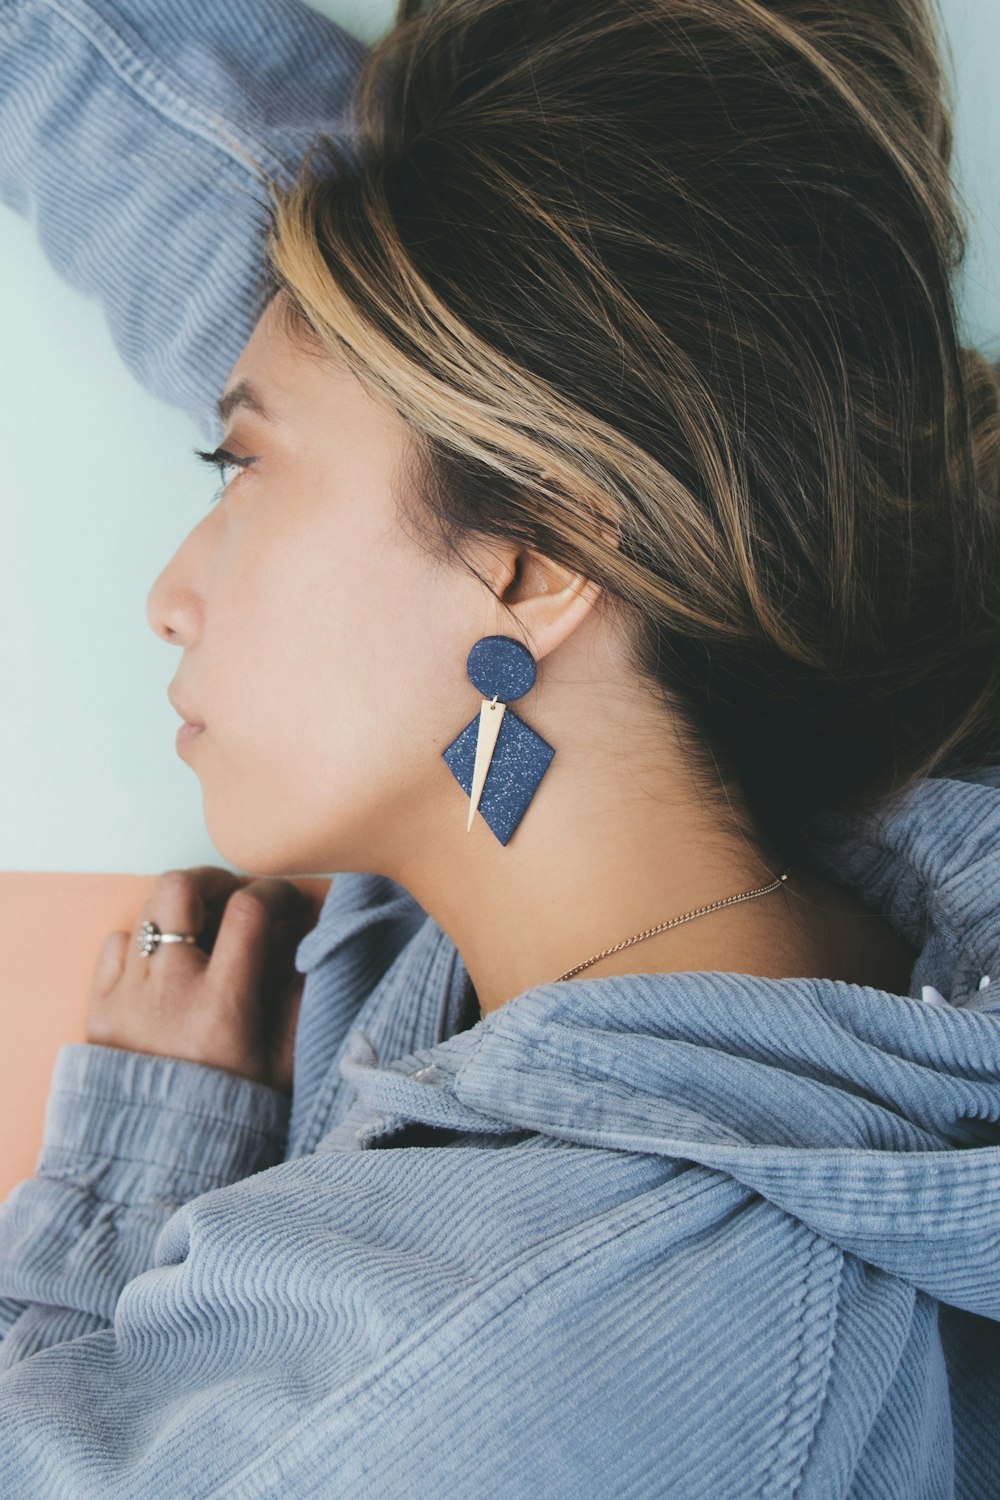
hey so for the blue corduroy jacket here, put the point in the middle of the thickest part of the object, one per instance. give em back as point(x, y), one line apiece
point(688, 1235)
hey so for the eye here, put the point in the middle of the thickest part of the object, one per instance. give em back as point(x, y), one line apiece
point(221, 459)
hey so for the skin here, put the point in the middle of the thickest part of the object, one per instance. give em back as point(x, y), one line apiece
point(325, 650)
point(232, 1000)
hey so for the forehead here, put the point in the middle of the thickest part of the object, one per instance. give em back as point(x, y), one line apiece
point(275, 343)
point(280, 371)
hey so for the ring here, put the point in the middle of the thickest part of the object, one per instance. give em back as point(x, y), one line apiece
point(150, 937)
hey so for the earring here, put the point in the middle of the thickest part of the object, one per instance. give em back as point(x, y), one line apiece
point(497, 759)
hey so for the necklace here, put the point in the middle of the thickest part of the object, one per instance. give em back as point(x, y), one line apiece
point(699, 911)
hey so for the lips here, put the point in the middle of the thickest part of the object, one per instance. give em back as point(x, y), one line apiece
point(186, 714)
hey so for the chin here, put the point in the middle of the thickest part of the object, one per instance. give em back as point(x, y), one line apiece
point(253, 857)
point(253, 852)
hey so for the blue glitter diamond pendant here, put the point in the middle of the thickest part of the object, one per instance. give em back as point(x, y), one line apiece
point(497, 759)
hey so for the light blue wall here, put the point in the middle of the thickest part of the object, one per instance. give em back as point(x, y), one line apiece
point(98, 488)
point(973, 29)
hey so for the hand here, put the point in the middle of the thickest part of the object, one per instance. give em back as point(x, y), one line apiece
point(232, 1003)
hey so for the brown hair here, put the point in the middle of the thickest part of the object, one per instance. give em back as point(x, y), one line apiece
point(684, 269)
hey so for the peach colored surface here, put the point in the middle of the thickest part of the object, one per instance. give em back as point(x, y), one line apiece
point(51, 931)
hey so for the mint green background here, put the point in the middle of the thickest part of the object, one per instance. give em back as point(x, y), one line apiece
point(98, 488)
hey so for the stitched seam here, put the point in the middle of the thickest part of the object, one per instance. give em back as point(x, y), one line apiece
point(823, 1396)
point(76, 1153)
point(66, 1091)
point(162, 93)
point(789, 1450)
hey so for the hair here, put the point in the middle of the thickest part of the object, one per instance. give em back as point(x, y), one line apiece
point(664, 291)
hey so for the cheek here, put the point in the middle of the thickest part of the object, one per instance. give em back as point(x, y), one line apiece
point(353, 649)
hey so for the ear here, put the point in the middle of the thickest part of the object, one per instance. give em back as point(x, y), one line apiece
point(549, 601)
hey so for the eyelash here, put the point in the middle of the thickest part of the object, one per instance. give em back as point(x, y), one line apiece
point(221, 459)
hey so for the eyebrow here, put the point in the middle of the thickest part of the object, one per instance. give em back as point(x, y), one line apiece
point(244, 393)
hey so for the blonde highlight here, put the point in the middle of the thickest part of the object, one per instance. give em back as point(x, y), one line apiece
point(663, 290)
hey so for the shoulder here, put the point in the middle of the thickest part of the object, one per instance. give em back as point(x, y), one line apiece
point(644, 1327)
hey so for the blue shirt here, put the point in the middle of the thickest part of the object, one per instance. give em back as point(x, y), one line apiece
point(691, 1234)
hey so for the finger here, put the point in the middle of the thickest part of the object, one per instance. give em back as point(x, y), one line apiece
point(214, 884)
point(301, 905)
point(177, 904)
point(283, 901)
point(252, 915)
point(240, 954)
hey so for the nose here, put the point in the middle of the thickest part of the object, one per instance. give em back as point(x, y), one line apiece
point(174, 609)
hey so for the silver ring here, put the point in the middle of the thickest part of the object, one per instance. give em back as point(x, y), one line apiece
point(150, 937)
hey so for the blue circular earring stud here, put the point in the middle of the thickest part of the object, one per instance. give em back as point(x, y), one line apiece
point(499, 666)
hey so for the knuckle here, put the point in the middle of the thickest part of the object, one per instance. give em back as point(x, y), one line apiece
point(266, 885)
point(178, 881)
point(245, 905)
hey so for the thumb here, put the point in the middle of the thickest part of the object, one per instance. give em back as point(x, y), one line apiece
point(110, 962)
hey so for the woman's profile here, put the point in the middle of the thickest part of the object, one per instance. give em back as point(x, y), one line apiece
point(602, 581)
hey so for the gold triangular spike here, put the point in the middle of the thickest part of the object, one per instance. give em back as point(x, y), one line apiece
point(490, 718)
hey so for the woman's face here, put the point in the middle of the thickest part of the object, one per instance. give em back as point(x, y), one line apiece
point(324, 649)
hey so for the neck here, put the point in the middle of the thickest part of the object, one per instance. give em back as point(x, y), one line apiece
point(606, 848)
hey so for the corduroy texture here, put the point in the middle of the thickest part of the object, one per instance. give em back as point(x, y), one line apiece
point(697, 1235)
point(124, 129)
point(694, 1234)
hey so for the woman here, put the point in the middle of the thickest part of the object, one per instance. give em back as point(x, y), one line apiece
point(622, 332)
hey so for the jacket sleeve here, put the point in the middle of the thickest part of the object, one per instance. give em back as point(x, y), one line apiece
point(128, 1138)
point(127, 136)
